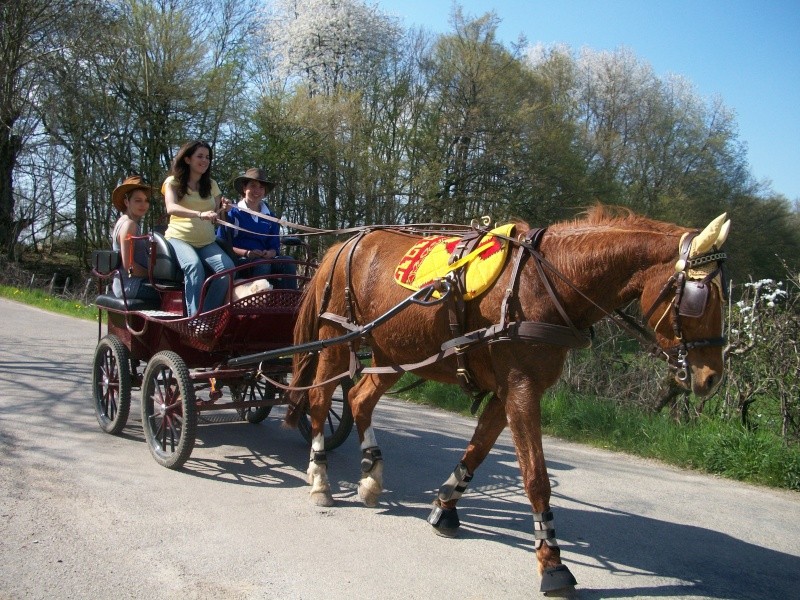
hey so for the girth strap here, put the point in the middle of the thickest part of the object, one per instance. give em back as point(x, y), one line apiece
point(455, 311)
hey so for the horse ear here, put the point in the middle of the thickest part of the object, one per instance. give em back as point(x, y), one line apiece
point(710, 235)
point(723, 233)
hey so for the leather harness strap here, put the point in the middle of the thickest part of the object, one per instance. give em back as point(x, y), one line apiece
point(456, 313)
point(527, 331)
point(506, 330)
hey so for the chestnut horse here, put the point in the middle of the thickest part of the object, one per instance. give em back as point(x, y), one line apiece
point(553, 287)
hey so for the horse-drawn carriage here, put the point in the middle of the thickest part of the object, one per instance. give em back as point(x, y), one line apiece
point(505, 339)
point(182, 364)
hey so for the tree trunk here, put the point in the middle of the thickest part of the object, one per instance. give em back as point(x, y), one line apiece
point(81, 202)
point(9, 148)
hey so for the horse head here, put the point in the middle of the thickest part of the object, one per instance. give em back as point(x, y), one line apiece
point(687, 313)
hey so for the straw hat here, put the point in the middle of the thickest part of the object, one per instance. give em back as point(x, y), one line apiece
point(253, 175)
point(132, 182)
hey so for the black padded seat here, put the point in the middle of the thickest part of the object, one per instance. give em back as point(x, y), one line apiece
point(107, 262)
point(167, 273)
point(110, 301)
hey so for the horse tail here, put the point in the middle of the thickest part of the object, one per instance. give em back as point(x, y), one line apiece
point(304, 366)
point(306, 329)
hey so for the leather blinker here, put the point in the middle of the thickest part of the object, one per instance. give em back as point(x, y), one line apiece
point(693, 299)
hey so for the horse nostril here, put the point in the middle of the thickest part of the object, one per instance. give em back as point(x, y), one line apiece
point(712, 381)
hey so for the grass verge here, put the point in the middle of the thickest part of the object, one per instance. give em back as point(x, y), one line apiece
point(711, 446)
point(41, 299)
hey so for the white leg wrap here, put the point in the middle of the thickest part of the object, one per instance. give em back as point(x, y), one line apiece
point(543, 530)
point(369, 439)
point(454, 487)
point(317, 474)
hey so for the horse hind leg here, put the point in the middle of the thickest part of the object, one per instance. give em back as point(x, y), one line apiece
point(444, 516)
point(363, 399)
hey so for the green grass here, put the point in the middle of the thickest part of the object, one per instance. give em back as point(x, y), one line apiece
point(41, 299)
point(431, 393)
point(711, 446)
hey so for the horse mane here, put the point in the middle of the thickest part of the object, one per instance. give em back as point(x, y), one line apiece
point(593, 236)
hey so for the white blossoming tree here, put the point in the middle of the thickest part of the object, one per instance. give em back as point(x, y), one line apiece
point(329, 44)
point(645, 138)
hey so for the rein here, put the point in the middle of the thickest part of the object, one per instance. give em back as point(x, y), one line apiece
point(413, 228)
point(676, 356)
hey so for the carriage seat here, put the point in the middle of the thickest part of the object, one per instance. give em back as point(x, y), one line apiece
point(110, 301)
point(167, 273)
point(106, 263)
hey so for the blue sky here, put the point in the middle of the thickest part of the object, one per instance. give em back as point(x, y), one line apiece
point(745, 51)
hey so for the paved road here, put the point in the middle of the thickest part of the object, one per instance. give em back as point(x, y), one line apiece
point(91, 516)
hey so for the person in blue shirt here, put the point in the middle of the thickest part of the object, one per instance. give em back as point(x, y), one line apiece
point(258, 237)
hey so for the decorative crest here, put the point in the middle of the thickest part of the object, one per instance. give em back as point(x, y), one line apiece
point(714, 234)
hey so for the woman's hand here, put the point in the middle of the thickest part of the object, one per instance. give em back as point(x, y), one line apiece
point(261, 254)
point(208, 215)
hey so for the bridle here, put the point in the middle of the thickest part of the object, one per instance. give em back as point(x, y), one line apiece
point(690, 289)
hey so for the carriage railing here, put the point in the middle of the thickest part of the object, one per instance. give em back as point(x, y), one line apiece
point(208, 329)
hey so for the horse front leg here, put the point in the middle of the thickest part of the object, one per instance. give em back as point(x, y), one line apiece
point(524, 419)
point(319, 403)
point(444, 516)
point(363, 399)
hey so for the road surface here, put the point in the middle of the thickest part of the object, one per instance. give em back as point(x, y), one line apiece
point(87, 515)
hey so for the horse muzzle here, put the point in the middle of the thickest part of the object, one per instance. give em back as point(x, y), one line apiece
point(702, 381)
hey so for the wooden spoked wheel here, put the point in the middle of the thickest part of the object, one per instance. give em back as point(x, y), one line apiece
point(340, 418)
point(169, 412)
point(111, 384)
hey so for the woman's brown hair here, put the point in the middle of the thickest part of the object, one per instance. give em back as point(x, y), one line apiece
point(180, 170)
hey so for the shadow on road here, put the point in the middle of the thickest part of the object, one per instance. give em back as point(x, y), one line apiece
point(712, 564)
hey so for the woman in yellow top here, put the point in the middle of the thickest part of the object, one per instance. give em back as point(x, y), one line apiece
point(193, 201)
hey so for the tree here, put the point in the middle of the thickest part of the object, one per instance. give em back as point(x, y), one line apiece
point(122, 107)
point(493, 135)
point(330, 54)
point(330, 45)
point(27, 31)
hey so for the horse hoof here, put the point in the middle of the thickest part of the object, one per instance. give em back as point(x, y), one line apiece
point(557, 579)
point(445, 521)
point(367, 496)
point(369, 490)
point(321, 499)
point(446, 532)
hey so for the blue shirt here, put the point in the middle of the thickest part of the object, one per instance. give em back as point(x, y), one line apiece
point(267, 232)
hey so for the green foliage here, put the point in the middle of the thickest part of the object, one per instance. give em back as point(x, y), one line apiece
point(708, 445)
point(364, 123)
point(711, 446)
point(432, 393)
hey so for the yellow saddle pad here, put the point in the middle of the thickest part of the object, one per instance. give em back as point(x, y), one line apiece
point(428, 261)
